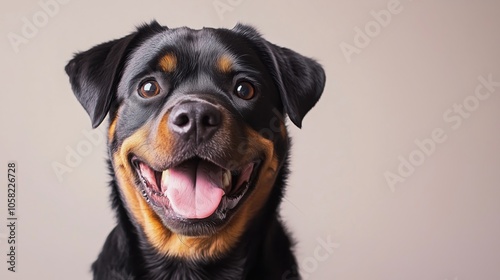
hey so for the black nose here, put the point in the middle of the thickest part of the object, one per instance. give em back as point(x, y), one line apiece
point(195, 120)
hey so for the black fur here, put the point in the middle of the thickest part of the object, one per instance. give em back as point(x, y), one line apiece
point(292, 85)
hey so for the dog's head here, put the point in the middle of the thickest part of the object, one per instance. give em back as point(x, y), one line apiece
point(197, 135)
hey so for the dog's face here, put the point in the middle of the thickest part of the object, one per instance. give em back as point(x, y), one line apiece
point(197, 135)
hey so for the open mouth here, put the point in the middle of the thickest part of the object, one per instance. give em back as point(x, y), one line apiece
point(196, 189)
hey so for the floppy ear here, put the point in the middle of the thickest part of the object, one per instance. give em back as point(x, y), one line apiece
point(95, 73)
point(300, 79)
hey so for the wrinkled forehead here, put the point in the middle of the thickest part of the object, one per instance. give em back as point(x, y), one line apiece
point(185, 51)
point(181, 42)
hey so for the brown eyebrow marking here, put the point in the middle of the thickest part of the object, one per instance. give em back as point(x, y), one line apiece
point(225, 64)
point(168, 62)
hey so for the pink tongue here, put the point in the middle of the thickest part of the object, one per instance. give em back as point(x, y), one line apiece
point(194, 189)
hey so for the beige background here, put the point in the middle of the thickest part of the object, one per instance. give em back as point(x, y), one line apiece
point(442, 222)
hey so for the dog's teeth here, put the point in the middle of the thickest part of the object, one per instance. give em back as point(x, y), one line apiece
point(164, 178)
point(226, 178)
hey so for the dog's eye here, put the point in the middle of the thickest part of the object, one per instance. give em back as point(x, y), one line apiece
point(244, 90)
point(149, 89)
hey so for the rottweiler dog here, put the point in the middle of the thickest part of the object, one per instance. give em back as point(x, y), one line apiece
point(198, 149)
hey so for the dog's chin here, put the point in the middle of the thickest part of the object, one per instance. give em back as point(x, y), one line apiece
point(195, 197)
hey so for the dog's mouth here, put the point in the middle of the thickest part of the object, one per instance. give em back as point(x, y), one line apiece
point(196, 189)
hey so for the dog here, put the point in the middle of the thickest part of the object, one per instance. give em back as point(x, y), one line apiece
point(198, 149)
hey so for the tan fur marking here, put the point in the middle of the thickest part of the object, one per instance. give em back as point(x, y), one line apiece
point(268, 172)
point(111, 129)
point(225, 64)
point(168, 62)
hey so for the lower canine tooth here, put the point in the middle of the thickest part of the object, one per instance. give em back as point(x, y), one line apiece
point(164, 176)
point(226, 178)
